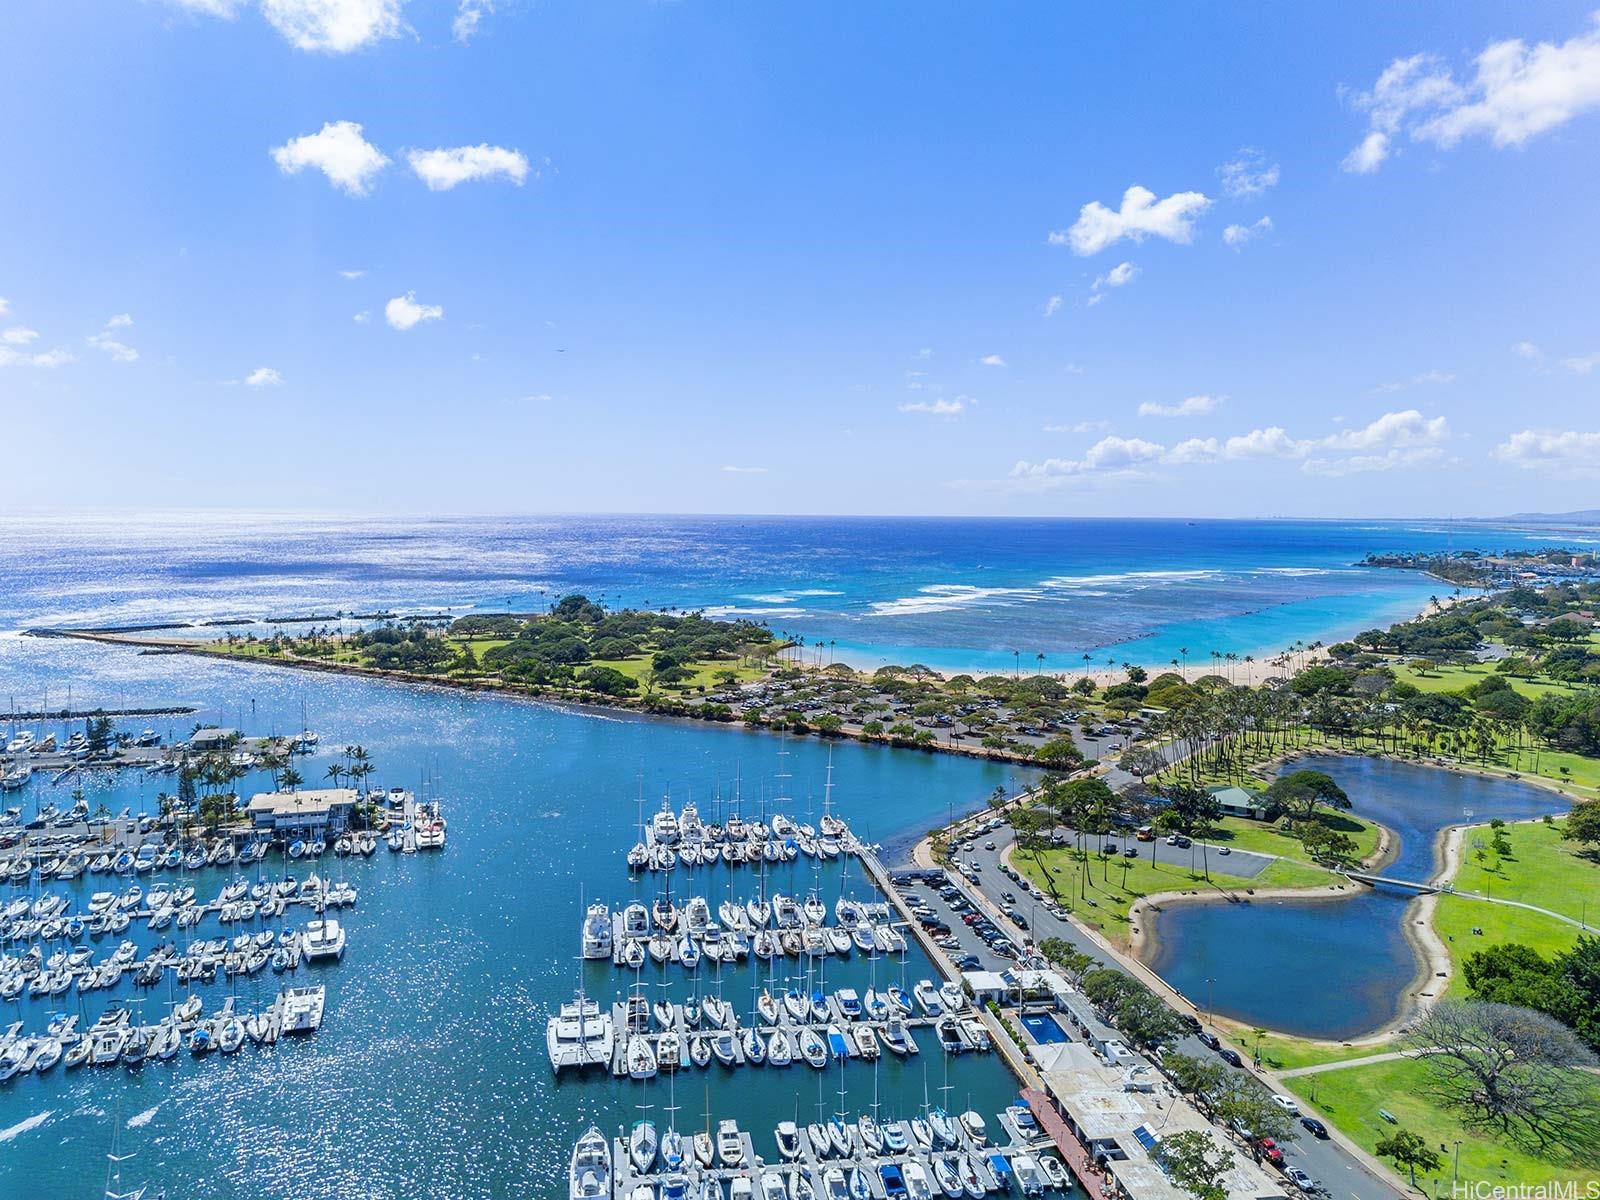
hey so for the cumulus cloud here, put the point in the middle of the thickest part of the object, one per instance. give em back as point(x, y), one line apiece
point(1562, 453)
point(1248, 175)
point(936, 408)
point(731, 470)
point(443, 169)
point(403, 312)
point(992, 360)
point(1237, 235)
point(1119, 276)
point(1397, 439)
point(107, 343)
point(468, 17)
point(334, 26)
point(1052, 306)
point(339, 151)
point(19, 336)
point(47, 359)
point(263, 377)
point(1140, 216)
point(1191, 406)
point(1516, 92)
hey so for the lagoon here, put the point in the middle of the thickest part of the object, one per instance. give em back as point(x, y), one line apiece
point(1336, 967)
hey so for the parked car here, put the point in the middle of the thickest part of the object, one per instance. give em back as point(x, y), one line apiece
point(1301, 1180)
point(1270, 1151)
point(1230, 1057)
point(1131, 852)
point(1288, 1105)
point(1314, 1127)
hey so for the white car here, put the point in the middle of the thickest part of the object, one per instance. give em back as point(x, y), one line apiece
point(1288, 1105)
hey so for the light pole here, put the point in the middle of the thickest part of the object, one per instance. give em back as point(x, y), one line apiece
point(1209, 982)
point(1455, 1171)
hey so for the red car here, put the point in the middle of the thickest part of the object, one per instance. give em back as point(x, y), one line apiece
point(1270, 1152)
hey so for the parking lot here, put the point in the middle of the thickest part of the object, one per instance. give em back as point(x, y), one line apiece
point(973, 908)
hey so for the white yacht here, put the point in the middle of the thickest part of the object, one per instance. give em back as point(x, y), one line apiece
point(664, 826)
point(324, 938)
point(579, 1035)
point(597, 932)
point(590, 1177)
point(730, 1146)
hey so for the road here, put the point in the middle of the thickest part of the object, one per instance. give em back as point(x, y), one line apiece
point(1344, 1175)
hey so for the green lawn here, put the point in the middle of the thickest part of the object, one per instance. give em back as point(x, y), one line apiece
point(1241, 833)
point(1104, 903)
point(1456, 918)
point(1282, 1053)
point(1452, 678)
point(1543, 870)
point(701, 674)
point(1350, 1098)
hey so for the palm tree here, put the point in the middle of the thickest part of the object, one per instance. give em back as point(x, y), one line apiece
point(334, 772)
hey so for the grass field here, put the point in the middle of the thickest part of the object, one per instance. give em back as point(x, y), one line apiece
point(1455, 919)
point(1105, 903)
point(1282, 1053)
point(1350, 1097)
point(1543, 870)
point(1453, 678)
point(1241, 833)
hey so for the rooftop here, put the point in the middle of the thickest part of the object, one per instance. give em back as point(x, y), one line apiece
point(311, 800)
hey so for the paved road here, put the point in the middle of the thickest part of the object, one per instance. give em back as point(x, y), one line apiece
point(1345, 1176)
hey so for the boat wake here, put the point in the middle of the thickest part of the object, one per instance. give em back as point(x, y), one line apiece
point(22, 1127)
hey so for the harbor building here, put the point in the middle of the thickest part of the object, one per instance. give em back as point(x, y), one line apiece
point(322, 809)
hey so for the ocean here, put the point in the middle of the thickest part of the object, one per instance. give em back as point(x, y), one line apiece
point(429, 1076)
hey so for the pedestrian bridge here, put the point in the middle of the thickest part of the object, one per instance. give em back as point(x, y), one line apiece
point(1410, 885)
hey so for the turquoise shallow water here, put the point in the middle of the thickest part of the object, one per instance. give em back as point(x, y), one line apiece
point(1335, 968)
point(430, 1075)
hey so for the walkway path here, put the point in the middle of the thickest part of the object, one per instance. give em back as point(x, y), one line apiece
point(1363, 1061)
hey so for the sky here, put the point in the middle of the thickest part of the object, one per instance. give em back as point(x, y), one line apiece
point(457, 256)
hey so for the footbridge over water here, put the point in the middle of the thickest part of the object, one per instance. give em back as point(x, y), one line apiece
point(1410, 885)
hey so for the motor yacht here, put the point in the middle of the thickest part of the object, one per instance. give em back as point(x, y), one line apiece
point(590, 1173)
point(597, 932)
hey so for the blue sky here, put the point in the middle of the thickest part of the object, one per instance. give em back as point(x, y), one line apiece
point(800, 258)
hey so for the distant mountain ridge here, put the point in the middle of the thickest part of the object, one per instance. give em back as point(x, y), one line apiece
point(1583, 516)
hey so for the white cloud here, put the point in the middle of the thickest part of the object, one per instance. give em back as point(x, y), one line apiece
point(736, 470)
point(936, 408)
point(119, 351)
point(1582, 364)
point(1141, 215)
point(1192, 406)
point(5, 306)
point(334, 26)
point(1119, 276)
point(1248, 175)
point(925, 352)
point(1515, 93)
point(992, 360)
point(468, 17)
point(263, 377)
point(1528, 350)
point(443, 169)
point(1369, 154)
point(1237, 235)
point(1425, 379)
point(1397, 439)
point(226, 9)
point(19, 336)
point(351, 274)
point(1079, 427)
point(403, 312)
point(1564, 453)
point(361, 318)
point(46, 359)
point(339, 151)
point(1052, 306)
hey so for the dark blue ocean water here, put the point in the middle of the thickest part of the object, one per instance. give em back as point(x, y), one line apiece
point(1335, 968)
point(967, 594)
